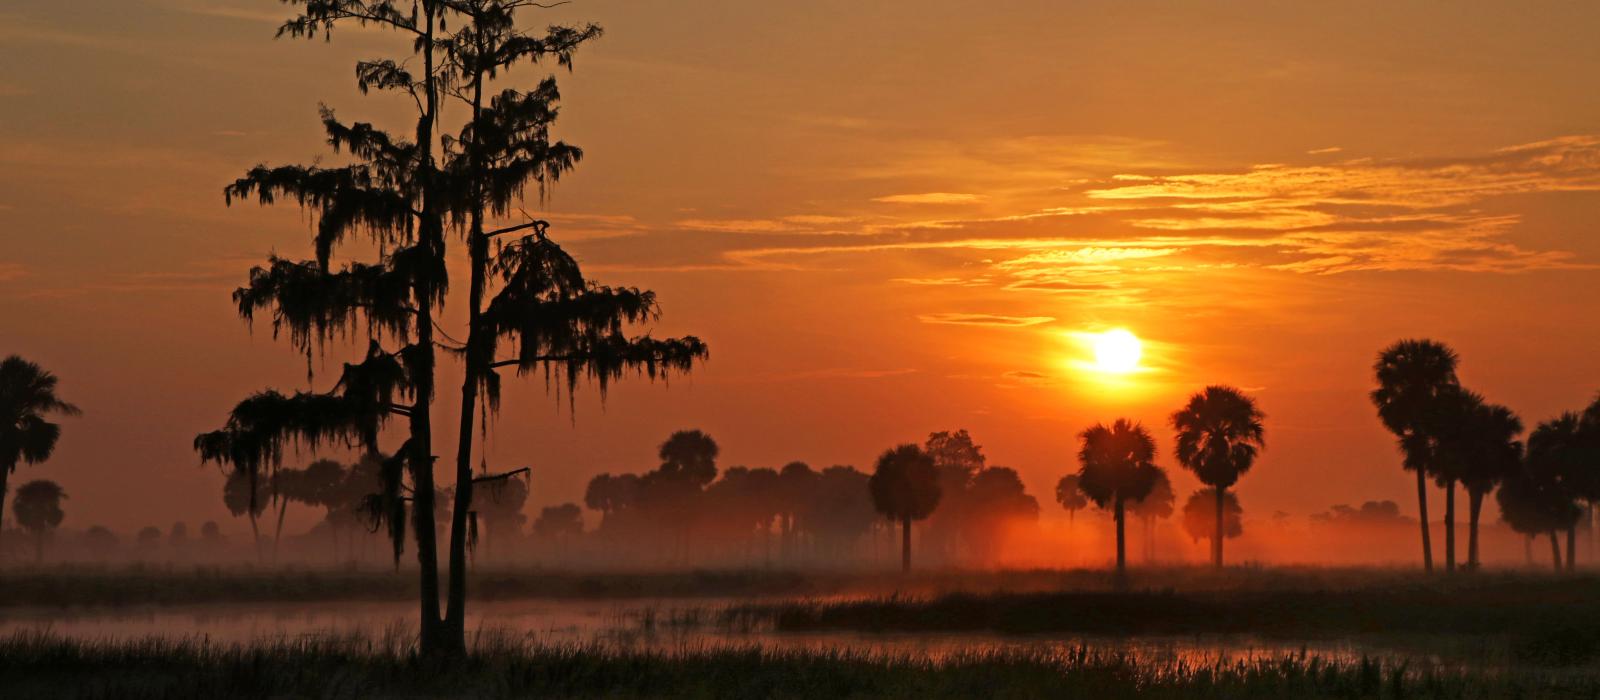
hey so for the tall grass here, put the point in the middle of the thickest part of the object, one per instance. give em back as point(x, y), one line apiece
point(36, 665)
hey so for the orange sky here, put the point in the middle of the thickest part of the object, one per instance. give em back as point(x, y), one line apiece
point(886, 219)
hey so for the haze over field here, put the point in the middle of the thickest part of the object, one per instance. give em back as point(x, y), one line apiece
point(885, 220)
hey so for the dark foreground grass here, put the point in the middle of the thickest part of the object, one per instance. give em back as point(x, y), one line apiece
point(1483, 605)
point(40, 666)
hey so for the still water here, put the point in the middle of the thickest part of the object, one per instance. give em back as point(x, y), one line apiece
point(676, 625)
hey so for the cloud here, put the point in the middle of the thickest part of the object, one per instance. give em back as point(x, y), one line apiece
point(1320, 151)
point(961, 319)
point(1020, 374)
point(931, 198)
point(797, 223)
point(12, 271)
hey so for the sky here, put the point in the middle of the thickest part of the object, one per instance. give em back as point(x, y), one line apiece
point(885, 218)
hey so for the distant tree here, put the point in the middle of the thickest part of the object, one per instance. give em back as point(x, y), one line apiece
point(797, 487)
point(958, 459)
point(178, 535)
point(211, 533)
point(690, 455)
point(500, 505)
point(100, 541)
point(905, 487)
point(559, 522)
point(1559, 461)
point(1533, 504)
point(149, 537)
point(237, 496)
point(1369, 514)
point(1200, 515)
point(1157, 505)
point(1478, 446)
point(27, 400)
point(996, 501)
point(1220, 433)
point(1414, 378)
point(1118, 467)
point(611, 494)
point(1070, 496)
point(840, 508)
point(38, 510)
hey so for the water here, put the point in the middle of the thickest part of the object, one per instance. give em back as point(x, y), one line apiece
point(667, 625)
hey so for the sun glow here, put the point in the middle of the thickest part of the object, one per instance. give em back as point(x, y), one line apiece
point(1116, 351)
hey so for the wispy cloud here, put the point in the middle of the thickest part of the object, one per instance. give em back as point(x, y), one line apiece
point(963, 319)
point(931, 198)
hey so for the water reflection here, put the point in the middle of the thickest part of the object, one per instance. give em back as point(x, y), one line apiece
point(673, 625)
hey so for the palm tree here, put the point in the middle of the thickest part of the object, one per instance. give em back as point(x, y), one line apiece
point(240, 499)
point(905, 487)
point(1157, 505)
point(1413, 377)
point(1200, 515)
point(27, 399)
point(1219, 436)
point(38, 510)
point(1070, 496)
point(1118, 466)
point(1533, 504)
point(1557, 457)
point(1479, 447)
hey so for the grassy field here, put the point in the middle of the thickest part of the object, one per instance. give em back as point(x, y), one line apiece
point(34, 665)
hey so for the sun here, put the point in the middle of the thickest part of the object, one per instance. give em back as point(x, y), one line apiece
point(1116, 351)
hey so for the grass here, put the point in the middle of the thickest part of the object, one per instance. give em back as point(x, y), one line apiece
point(34, 665)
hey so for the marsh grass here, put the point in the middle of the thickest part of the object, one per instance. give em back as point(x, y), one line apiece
point(38, 665)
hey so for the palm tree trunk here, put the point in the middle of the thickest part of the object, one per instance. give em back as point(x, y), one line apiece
point(1450, 527)
point(905, 544)
point(1474, 508)
point(255, 536)
point(1572, 549)
point(1122, 550)
point(283, 507)
point(1216, 541)
point(1555, 551)
point(1422, 512)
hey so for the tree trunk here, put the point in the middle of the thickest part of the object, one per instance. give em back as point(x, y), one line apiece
point(5, 474)
point(38, 547)
point(1474, 508)
point(434, 637)
point(1122, 551)
point(1450, 527)
point(255, 536)
point(905, 544)
point(1216, 541)
point(1555, 551)
point(1572, 549)
point(1422, 512)
point(277, 535)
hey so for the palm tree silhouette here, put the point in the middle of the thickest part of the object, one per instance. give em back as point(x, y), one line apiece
point(1156, 505)
point(1070, 496)
point(1219, 436)
point(27, 399)
point(905, 487)
point(1479, 447)
point(38, 510)
point(1118, 466)
point(1533, 504)
point(1200, 515)
point(1558, 458)
point(1414, 376)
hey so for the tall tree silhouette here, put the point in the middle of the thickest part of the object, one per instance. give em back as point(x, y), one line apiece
point(905, 487)
point(1156, 505)
point(996, 501)
point(1220, 433)
point(38, 510)
point(1532, 503)
point(1070, 496)
point(1478, 446)
point(1558, 459)
point(958, 459)
point(27, 402)
point(1200, 515)
point(405, 194)
point(1117, 467)
point(236, 496)
point(1415, 378)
